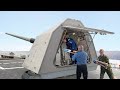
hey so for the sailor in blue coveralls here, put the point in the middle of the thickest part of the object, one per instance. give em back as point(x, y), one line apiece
point(71, 44)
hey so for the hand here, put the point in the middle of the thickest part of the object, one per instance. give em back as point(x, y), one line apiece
point(96, 63)
point(74, 51)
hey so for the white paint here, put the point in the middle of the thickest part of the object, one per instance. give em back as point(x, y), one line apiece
point(11, 63)
point(1, 68)
point(6, 63)
point(6, 60)
point(13, 68)
point(14, 62)
point(20, 62)
point(10, 68)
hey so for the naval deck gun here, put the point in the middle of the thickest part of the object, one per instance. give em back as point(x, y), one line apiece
point(47, 59)
point(31, 40)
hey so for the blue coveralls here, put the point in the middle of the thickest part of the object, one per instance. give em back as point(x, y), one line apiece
point(71, 44)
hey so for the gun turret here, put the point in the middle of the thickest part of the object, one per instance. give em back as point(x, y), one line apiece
point(31, 40)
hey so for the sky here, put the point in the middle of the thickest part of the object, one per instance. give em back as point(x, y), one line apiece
point(32, 23)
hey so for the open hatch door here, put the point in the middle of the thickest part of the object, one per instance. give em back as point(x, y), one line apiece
point(90, 30)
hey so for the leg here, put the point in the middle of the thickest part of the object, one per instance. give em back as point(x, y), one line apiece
point(110, 73)
point(85, 72)
point(72, 62)
point(78, 72)
point(102, 72)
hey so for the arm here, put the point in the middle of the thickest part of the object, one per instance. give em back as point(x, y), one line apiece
point(73, 52)
point(99, 62)
point(69, 51)
point(74, 57)
point(95, 61)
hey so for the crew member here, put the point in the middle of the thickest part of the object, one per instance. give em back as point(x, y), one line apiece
point(105, 59)
point(81, 57)
point(71, 44)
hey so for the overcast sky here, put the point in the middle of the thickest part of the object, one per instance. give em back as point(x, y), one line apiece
point(33, 23)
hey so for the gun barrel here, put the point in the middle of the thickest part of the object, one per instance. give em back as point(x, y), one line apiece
point(31, 40)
